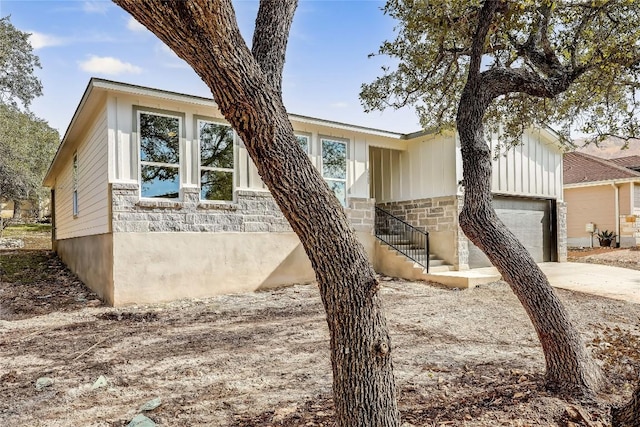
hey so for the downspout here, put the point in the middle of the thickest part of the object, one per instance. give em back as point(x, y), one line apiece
point(617, 217)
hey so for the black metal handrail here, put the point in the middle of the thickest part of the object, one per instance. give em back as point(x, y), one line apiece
point(403, 237)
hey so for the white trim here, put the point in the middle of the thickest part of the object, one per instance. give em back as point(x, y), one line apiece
point(344, 180)
point(74, 179)
point(231, 170)
point(153, 112)
point(597, 183)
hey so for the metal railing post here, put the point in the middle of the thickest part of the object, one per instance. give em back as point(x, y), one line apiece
point(395, 234)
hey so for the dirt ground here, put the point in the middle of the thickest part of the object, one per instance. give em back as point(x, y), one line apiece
point(462, 358)
point(618, 257)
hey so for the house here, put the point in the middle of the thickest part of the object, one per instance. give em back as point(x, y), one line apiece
point(155, 198)
point(605, 193)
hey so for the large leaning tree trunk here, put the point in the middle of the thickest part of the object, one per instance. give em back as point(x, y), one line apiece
point(246, 88)
point(629, 414)
point(569, 366)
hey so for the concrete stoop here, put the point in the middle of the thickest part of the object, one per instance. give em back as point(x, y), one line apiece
point(464, 279)
point(394, 264)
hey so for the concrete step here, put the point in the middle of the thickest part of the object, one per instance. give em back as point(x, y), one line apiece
point(439, 268)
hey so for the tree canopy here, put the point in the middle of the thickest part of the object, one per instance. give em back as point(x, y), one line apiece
point(18, 83)
point(570, 64)
point(27, 145)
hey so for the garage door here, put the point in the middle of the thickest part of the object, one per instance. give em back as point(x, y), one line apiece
point(530, 220)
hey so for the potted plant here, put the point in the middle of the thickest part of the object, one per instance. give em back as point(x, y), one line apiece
point(606, 237)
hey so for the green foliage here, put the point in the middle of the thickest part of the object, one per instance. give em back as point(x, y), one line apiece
point(27, 146)
point(18, 84)
point(21, 229)
point(583, 56)
point(27, 143)
point(606, 235)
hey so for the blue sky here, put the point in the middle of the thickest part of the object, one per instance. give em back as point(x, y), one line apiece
point(326, 57)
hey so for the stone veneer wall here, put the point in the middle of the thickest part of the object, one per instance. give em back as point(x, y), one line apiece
point(439, 217)
point(561, 216)
point(440, 214)
point(361, 214)
point(253, 211)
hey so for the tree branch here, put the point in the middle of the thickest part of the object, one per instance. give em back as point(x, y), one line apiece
point(273, 23)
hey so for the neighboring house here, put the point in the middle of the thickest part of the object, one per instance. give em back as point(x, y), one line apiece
point(605, 193)
point(155, 198)
point(629, 162)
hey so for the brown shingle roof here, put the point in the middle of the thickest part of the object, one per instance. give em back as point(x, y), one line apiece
point(580, 167)
point(632, 162)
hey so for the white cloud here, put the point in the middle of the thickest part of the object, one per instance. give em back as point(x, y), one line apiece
point(135, 26)
point(40, 40)
point(340, 104)
point(95, 6)
point(108, 65)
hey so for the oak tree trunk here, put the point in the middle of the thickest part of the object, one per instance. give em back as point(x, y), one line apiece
point(17, 210)
point(246, 88)
point(569, 366)
point(629, 414)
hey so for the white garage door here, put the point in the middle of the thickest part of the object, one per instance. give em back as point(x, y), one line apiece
point(530, 220)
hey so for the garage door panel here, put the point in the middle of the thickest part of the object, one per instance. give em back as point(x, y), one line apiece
point(529, 220)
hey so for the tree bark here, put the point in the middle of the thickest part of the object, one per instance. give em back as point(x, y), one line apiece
point(17, 210)
point(569, 367)
point(205, 35)
point(629, 414)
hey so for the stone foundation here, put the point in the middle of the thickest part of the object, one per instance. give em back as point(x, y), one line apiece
point(561, 224)
point(252, 211)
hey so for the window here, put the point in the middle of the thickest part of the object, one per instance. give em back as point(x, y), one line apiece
point(75, 185)
point(159, 155)
point(216, 161)
point(334, 167)
point(303, 140)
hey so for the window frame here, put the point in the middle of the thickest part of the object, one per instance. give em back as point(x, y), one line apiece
point(308, 137)
point(344, 180)
point(206, 120)
point(181, 137)
point(74, 179)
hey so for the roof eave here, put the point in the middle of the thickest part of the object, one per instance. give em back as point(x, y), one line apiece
point(604, 182)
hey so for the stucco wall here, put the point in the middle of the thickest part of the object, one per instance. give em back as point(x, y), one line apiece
point(90, 258)
point(167, 250)
point(594, 204)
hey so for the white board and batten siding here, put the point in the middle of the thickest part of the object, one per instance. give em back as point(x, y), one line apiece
point(428, 166)
point(93, 212)
point(124, 146)
point(533, 168)
point(357, 155)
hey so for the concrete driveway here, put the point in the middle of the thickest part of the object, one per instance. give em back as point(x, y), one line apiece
point(603, 280)
point(611, 282)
